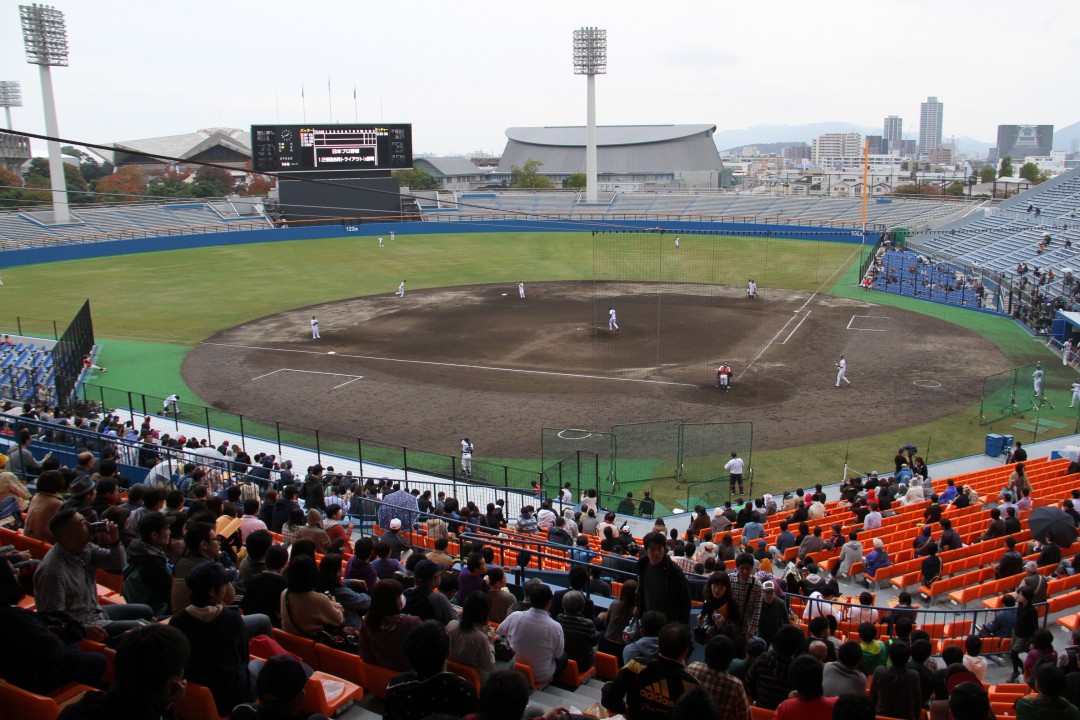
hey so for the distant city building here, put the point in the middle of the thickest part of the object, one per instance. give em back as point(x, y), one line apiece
point(941, 156)
point(223, 146)
point(878, 145)
point(453, 173)
point(1019, 141)
point(801, 151)
point(907, 148)
point(833, 147)
point(931, 116)
point(14, 151)
point(893, 133)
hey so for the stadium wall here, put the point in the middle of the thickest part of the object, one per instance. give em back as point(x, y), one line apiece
point(83, 251)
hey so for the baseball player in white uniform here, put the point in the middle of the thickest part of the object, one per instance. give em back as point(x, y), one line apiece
point(380, 242)
point(401, 289)
point(466, 457)
point(676, 242)
point(751, 289)
point(391, 236)
point(521, 290)
point(1076, 393)
point(1067, 352)
point(611, 324)
point(1037, 381)
point(170, 402)
point(841, 372)
point(314, 328)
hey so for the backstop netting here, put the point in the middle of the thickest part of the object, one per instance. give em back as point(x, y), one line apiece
point(583, 458)
point(646, 451)
point(706, 447)
point(1009, 393)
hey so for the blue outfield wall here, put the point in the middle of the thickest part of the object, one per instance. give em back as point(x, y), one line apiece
point(83, 251)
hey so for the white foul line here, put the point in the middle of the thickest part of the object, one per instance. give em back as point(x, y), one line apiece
point(768, 344)
point(447, 364)
point(876, 317)
point(796, 327)
point(267, 374)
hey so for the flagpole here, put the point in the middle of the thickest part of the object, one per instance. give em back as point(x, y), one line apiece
point(303, 103)
point(355, 111)
point(330, 97)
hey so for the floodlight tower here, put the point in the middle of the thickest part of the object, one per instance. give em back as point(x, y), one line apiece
point(590, 60)
point(45, 38)
point(10, 96)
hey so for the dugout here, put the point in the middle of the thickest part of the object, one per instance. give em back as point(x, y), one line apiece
point(1066, 324)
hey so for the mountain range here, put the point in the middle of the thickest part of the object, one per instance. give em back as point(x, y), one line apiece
point(764, 134)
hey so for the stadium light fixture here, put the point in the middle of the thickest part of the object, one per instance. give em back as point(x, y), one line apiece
point(45, 38)
point(10, 96)
point(590, 59)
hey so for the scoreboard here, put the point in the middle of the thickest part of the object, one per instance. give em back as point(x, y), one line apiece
point(331, 147)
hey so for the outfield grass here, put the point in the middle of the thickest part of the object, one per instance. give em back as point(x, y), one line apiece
point(150, 309)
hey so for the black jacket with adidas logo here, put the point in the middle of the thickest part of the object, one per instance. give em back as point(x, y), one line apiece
point(647, 688)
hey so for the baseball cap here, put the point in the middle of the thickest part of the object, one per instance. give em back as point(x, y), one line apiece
point(395, 524)
point(768, 586)
point(281, 680)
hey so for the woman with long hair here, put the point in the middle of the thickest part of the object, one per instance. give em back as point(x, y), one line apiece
point(382, 636)
point(353, 603)
point(719, 613)
point(616, 618)
point(305, 611)
point(472, 640)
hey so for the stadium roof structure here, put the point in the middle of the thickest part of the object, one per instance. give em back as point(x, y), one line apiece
point(228, 145)
point(452, 166)
point(620, 148)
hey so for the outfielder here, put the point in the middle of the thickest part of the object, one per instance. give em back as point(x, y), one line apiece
point(391, 236)
point(1076, 393)
point(723, 377)
point(170, 402)
point(751, 289)
point(521, 290)
point(676, 242)
point(611, 324)
point(466, 457)
point(841, 372)
point(87, 363)
point(380, 242)
point(401, 290)
point(314, 328)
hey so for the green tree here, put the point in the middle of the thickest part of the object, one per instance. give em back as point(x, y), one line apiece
point(1030, 172)
point(211, 176)
point(93, 170)
point(914, 189)
point(169, 183)
point(10, 188)
point(1006, 169)
point(987, 174)
point(416, 179)
point(577, 181)
point(38, 177)
point(528, 176)
point(955, 189)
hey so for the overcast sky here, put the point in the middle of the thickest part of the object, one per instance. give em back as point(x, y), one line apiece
point(463, 72)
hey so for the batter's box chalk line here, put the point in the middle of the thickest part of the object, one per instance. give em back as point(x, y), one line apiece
point(867, 317)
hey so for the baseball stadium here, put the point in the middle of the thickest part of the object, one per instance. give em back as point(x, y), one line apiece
point(573, 345)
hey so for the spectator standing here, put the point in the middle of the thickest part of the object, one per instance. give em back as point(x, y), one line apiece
point(895, 690)
point(746, 592)
point(662, 586)
point(727, 691)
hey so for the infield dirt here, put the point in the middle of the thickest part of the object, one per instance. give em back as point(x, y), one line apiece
point(424, 370)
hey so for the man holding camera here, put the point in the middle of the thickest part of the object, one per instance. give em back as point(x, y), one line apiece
point(66, 580)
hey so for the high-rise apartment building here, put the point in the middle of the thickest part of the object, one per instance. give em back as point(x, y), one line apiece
point(831, 147)
point(893, 133)
point(930, 122)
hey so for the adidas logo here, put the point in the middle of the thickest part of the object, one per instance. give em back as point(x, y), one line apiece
point(658, 693)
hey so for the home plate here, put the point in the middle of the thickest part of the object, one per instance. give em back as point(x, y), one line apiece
point(331, 352)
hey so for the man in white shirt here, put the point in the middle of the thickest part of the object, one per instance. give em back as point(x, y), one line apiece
point(537, 640)
point(735, 467)
point(872, 520)
point(545, 518)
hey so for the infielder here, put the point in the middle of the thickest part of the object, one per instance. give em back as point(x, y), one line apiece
point(723, 377)
point(1037, 381)
point(735, 467)
point(466, 457)
point(1076, 393)
point(314, 328)
point(611, 324)
point(751, 289)
point(841, 372)
point(401, 289)
point(521, 290)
